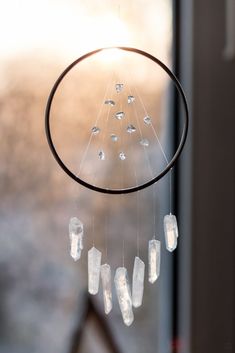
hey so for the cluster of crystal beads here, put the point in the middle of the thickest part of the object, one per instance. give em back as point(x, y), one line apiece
point(119, 115)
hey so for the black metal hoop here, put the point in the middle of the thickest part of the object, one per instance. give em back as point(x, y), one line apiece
point(132, 189)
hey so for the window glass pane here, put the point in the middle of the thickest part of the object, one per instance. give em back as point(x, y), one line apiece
point(44, 293)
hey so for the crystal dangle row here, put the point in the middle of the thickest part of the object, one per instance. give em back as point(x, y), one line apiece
point(127, 297)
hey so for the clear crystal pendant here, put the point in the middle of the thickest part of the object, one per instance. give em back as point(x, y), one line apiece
point(124, 295)
point(114, 137)
point(171, 232)
point(76, 238)
point(109, 102)
point(119, 87)
point(130, 99)
point(119, 115)
point(130, 129)
point(122, 156)
point(144, 142)
point(147, 120)
point(94, 263)
point(138, 282)
point(107, 287)
point(154, 259)
point(101, 155)
point(95, 130)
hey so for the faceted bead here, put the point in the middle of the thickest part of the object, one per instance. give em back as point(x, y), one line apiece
point(122, 156)
point(95, 130)
point(109, 102)
point(124, 295)
point(94, 263)
point(171, 232)
point(101, 155)
point(76, 238)
point(138, 282)
point(147, 120)
point(130, 129)
point(119, 115)
point(119, 87)
point(154, 259)
point(107, 287)
point(114, 137)
point(144, 142)
point(130, 99)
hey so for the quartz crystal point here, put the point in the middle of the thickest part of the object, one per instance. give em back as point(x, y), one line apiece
point(124, 295)
point(154, 259)
point(119, 115)
point(130, 99)
point(107, 287)
point(138, 282)
point(94, 263)
point(109, 102)
point(171, 232)
point(119, 87)
point(76, 238)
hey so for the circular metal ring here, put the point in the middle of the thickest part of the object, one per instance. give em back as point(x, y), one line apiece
point(135, 188)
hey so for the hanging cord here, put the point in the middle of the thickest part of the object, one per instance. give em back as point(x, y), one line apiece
point(95, 124)
point(84, 156)
point(138, 221)
point(170, 176)
point(161, 148)
point(154, 131)
point(137, 194)
point(149, 167)
point(147, 157)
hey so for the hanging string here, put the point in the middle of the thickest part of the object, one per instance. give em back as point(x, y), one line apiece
point(84, 156)
point(147, 157)
point(171, 170)
point(137, 194)
point(106, 235)
point(154, 131)
point(161, 148)
point(93, 230)
point(95, 124)
point(138, 221)
point(150, 170)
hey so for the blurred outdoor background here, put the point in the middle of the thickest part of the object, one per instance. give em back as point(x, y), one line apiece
point(44, 304)
point(44, 299)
